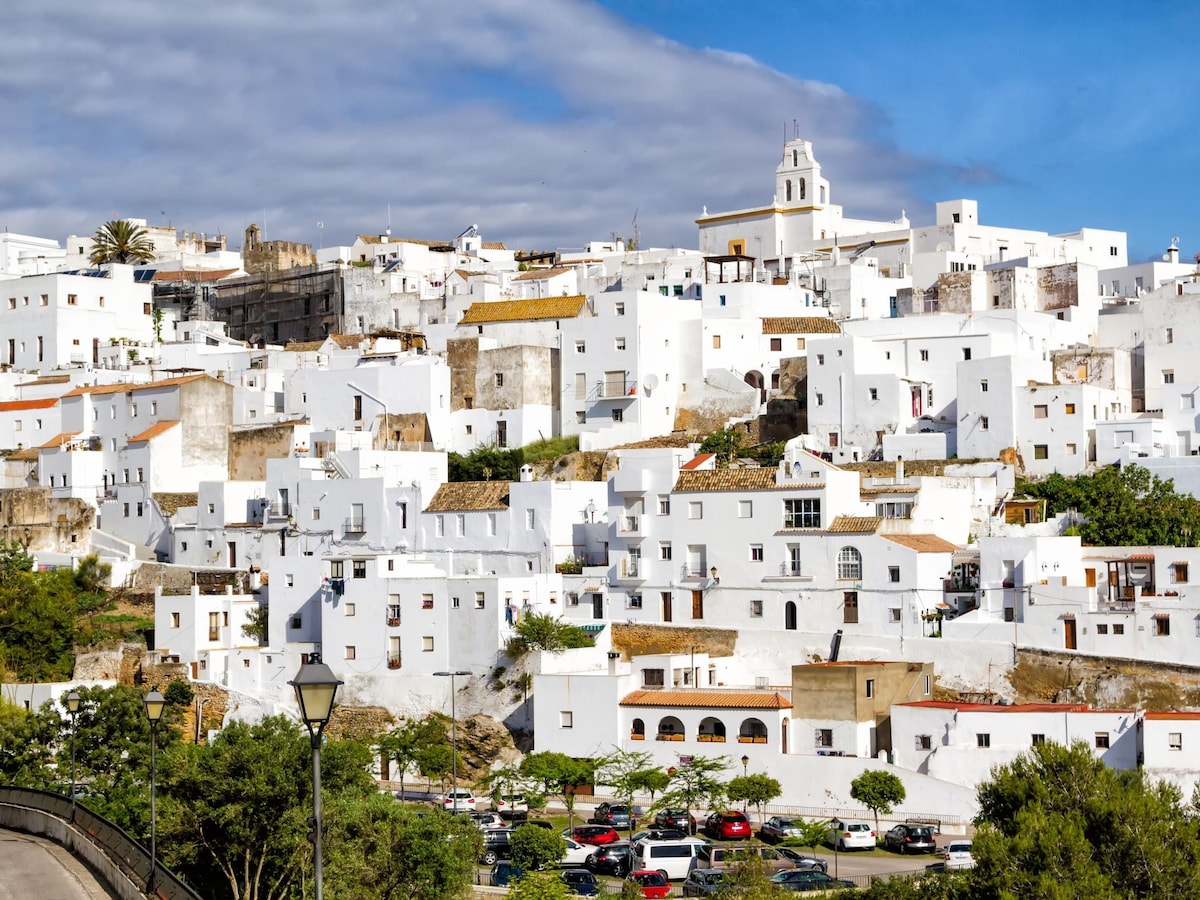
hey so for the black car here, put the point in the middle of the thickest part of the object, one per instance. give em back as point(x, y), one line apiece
point(505, 873)
point(612, 859)
point(581, 883)
point(910, 839)
point(800, 880)
point(495, 845)
point(617, 815)
point(676, 818)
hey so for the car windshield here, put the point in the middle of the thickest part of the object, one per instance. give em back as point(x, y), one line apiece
point(784, 823)
point(922, 832)
point(579, 878)
point(652, 879)
point(858, 826)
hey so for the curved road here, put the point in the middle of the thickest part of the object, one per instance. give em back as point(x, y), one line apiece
point(34, 867)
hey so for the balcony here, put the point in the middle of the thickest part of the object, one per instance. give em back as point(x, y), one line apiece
point(393, 621)
point(752, 739)
point(711, 738)
point(393, 660)
point(279, 510)
point(631, 568)
point(668, 736)
point(354, 526)
point(631, 525)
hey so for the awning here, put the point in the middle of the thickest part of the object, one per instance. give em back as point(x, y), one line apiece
point(592, 588)
point(592, 628)
point(1161, 616)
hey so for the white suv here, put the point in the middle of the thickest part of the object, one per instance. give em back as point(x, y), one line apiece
point(461, 800)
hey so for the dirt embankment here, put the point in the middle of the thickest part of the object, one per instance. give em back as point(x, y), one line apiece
point(1103, 682)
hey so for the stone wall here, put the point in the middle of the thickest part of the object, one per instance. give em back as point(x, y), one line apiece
point(61, 525)
point(250, 449)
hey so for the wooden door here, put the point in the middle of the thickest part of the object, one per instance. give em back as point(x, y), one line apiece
point(1069, 634)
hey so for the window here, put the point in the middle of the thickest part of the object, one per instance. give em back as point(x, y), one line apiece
point(1041, 411)
point(756, 553)
point(153, 407)
point(141, 507)
point(984, 423)
point(928, 685)
point(824, 737)
point(1162, 625)
point(894, 574)
point(745, 509)
point(716, 342)
point(756, 609)
point(566, 719)
point(1069, 409)
point(983, 740)
point(1118, 628)
point(72, 299)
point(358, 568)
point(427, 644)
point(480, 600)
point(833, 439)
point(794, 559)
point(439, 526)
point(297, 622)
point(618, 415)
point(820, 359)
point(664, 552)
point(924, 356)
point(1101, 740)
point(652, 678)
point(581, 347)
point(1041, 451)
point(777, 344)
point(316, 513)
point(460, 524)
point(820, 398)
point(695, 510)
point(1102, 628)
point(350, 652)
point(966, 351)
point(1168, 335)
point(1037, 740)
point(619, 309)
point(1180, 570)
point(499, 379)
point(529, 519)
point(924, 742)
point(802, 512)
point(664, 505)
point(427, 601)
point(174, 620)
point(1175, 740)
point(619, 344)
point(1072, 450)
point(1168, 376)
point(849, 564)
point(850, 608)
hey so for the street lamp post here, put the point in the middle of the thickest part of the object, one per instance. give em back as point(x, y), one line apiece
point(155, 703)
point(745, 772)
point(453, 739)
point(72, 701)
point(316, 686)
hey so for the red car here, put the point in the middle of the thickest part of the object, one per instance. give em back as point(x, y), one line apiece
point(651, 884)
point(596, 835)
point(728, 825)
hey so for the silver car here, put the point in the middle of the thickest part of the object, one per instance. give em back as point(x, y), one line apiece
point(777, 828)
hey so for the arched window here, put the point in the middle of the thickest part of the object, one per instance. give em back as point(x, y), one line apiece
point(638, 730)
point(849, 564)
point(752, 731)
point(789, 615)
point(795, 158)
point(785, 735)
point(822, 193)
point(670, 729)
point(788, 191)
point(802, 187)
point(711, 731)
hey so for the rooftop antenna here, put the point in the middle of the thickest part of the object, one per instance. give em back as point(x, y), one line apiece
point(637, 235)
point(389, 224)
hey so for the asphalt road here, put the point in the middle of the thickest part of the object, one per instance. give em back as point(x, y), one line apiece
point(34, 867)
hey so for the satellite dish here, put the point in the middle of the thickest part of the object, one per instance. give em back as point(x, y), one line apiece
point(650, 382)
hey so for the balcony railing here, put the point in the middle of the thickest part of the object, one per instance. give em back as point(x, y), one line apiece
point(393, 660)
point(354, 526)
point(631, 523)
point(668, 736)
point(752, 739)
point(393, 621)
point(630, 567)
point(711, 738)
point(279, 510)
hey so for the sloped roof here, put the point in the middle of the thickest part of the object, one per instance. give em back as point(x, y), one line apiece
point(492, 245)
point(154, 431)
point(708, 699)
point(713, 480)
point(854, 525)
point(468, 496)
point(524, 310)
point(349, 341)
point(46, 379)
point(20, 405)
point(59, 439)
point(194, 274)
point(696, 461)
point(542, 274)
point(800, 325)
point(125, 388)
point(304, 346)
point(172, 503)
point(923, 543)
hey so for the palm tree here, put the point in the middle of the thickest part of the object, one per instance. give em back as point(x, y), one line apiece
point(121, 241)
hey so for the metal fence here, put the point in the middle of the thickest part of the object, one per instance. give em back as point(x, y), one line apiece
point(127, 854)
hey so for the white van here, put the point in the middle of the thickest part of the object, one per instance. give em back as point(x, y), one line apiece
point(672, 858)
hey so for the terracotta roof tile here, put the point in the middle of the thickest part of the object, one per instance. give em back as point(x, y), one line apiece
point(58, 440)
point(1171, 716)
point(172, 503)
point(46, 379)
point(304, 346)
point(20, 405)
point(468, 496)
point(492, 245)
point(194, 274)
point(799, 325)
point(696, 461)
point(524, 310)
point(542, 274)
point(709, 699)
point(854, 525)
point(922, 543)
point(154, 431)
point(888, 489)
point(124, 388)
point(713, 480)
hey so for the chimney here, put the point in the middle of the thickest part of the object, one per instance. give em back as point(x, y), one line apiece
point(899, 469)
point(612, 662)
point(1173, 251)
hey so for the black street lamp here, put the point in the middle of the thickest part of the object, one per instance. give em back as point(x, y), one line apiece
point(155, 703)
point(745, 765)
point(453, 739)
point(72, 702)
point(316, 686)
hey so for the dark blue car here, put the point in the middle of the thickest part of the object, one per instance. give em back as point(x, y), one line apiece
point(581, 883)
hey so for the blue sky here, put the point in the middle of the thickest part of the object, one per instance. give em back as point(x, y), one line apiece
point(550, 122)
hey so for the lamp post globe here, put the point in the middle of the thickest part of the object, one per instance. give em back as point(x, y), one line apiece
point(155, 704)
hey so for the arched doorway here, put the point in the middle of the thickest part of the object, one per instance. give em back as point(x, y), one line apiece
point(755, 380)
point(789, 615)
point(785, 736)
point(638, 730)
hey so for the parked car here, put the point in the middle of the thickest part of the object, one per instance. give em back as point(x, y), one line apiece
point(676, 818)
point(657, 834)
point(844, 835)
point(514, 806)
point(802, 860)
point(727, 825)
point(487, 820)
point(495, 845)
point(577, 854)
point(505, 873)
point(618, 815)
point(726, 856)
point(461, 800)
point(703, 882)
point(651, 884)
point(673, 858)
point(777, 828)
point(799, 880)
point(581, 883)
point(596, 835)
point(539, 823)
point(958, 855)
point(910, 839)
point(611, 859)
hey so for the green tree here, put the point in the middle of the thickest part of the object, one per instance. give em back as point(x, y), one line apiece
point(403, 745)
point(624, 771)
point(542, 631)
point(485, 464)
point(757, 790)
point(726, 444)
point(26, 742)
point(179, 692)
point(120, 241)
point(377, 849)
point(434, 761)
point(696, 784)
point(557, 775)
point(539, 886)
point(650, 781)
point(811, 833)
point(255, 626)
point(532, 847)
point(879, 791)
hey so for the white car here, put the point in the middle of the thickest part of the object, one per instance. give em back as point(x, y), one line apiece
point(577, 854)
point(461, 800)
point(845, 835)
point(507, 806)
point(958, 855)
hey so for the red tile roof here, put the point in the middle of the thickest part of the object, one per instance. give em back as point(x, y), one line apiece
point(124, 388)
point(709, 699)
point(922, 543)
point(58, 440)
point(154, 431)
point(194, 274)
point(697, 461)
point(1015, 708)
point(19, 405)
point(1172, 715)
